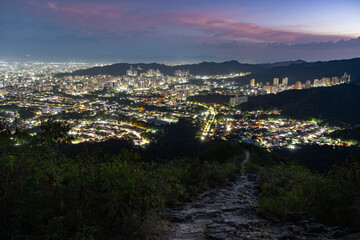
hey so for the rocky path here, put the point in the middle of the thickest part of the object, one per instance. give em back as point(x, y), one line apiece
point(230, 213)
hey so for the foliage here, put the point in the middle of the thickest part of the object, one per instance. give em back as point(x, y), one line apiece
point(46, 195)
point(333, 198)
point(337, 104)
point(352, 134)
point(211, 98)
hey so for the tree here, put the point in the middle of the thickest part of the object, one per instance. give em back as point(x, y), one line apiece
point(55, 132)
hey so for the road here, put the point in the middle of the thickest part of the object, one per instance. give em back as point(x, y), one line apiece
point(210, 118)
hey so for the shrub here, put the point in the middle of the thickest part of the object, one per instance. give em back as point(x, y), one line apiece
point(333, 198)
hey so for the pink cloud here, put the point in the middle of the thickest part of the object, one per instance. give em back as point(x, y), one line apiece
point(125, 18)
point(52, 6)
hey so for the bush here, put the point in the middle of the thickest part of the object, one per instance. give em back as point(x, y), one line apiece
point(45, 195)
point(333, 198)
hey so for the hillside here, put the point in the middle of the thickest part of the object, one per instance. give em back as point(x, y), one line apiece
point(204, 68)
point(308, 71)
point(334, 104)
point(294, 70)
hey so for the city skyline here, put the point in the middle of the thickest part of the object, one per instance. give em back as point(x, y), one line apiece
point(178, 32)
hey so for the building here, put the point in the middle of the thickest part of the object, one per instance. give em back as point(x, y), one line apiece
point(298, 85)
point(267, 88)
point(182, 95)
point(238, 100)
point(275, 81)
point(252, 82)
point(131, 72)
point(335, 81)
point(274, 89)
point(316, 83)
point(285, 81)
point(345, 78)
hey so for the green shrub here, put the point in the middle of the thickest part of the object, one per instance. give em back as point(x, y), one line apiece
point(47, 196)
point(333, 198)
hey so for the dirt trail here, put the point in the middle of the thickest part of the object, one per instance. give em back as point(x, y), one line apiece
point(230, 213)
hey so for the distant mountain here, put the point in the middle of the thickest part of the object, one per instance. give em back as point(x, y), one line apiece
point(334, 104)
point(281, 64)
point(204, 68)
point(294, 70)
point(308, 71)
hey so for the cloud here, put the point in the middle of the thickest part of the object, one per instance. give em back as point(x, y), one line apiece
point(341, 44)
point(125, 28)
point(130, 19)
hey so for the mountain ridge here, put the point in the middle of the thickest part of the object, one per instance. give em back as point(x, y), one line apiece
point(298, 70)
point(202, 68)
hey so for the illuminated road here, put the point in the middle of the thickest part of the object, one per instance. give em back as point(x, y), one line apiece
point(209, 120)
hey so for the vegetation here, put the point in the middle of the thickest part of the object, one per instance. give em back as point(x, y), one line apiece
point(333, 198)
point(289, 188)
point(204, 68)
point(211, 98)
point(46, 195)
point(321, 158)
point(307, 71)
point(338, 104)
point(351, 134)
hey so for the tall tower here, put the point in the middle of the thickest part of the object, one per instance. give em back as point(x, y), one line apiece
point(276, 81)
point(252, 82)
point(285, 81)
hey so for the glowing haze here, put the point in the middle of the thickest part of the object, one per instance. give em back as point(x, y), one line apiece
point(176, 31)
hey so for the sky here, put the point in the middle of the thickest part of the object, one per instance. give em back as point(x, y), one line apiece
point(169, 31)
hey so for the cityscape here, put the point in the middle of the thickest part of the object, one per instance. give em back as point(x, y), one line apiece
point(179, 120)
point(92, 104)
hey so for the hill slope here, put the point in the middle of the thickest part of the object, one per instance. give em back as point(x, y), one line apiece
point(308, 71)
point(204, 68)
point(335, 104)
point(293, 70)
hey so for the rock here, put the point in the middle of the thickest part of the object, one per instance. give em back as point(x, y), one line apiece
point(287, 236)
point(222, 235)
point(293, 229)
point(231, 213)
point(315, 228)
point(339, 233)
point(269, 217)
point(296, 217)
point(252, 177)
point(176, 217)
point(355, 236)
point(219, 231)
point(230, 208)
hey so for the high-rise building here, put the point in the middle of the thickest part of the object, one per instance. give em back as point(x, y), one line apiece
point(2, 84)
point(316, 83)
point(298, 85)
point(275, 81)
point(267, 88)
point(345, 78)
point(308, 84)
point(274, 89)
point(252, 82)
point(335, 81)
point(285, 81)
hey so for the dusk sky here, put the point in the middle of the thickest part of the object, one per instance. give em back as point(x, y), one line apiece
point(179, 31)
